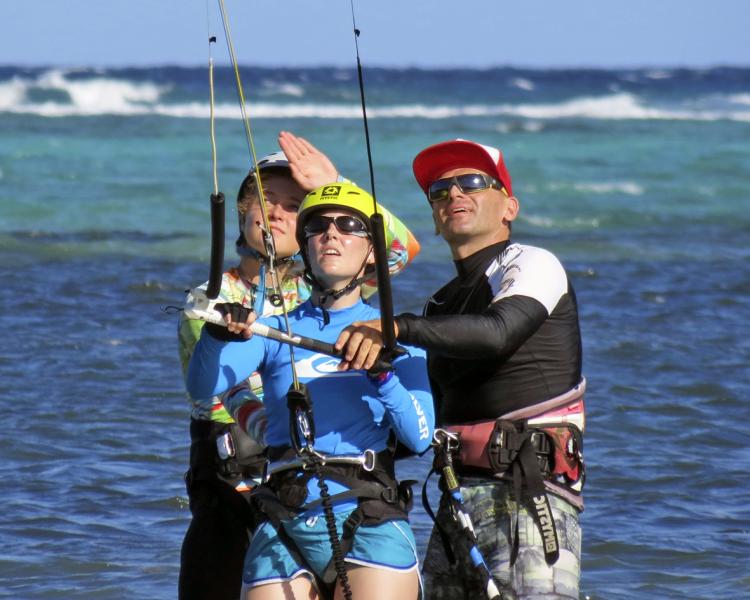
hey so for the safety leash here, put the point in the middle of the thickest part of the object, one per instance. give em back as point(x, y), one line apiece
point(445, 444)
point(302, 432)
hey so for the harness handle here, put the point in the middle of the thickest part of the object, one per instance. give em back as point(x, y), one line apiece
point(301, 422)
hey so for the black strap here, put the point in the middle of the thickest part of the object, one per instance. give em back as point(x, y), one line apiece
point(388, 504)
point(526, 468)
point(365, 490)
point(522, 456)
point(380, 498)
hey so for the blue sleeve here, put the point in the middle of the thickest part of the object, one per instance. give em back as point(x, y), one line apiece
point(217, 366)
point(408, 401)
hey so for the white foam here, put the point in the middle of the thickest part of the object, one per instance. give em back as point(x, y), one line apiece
point(96, 96)
point(282, 89)
point(630, 188)
point(740, 99)
point(617, 107)
point(523, 84)
point(527, 126)
point(613, 106)
point(538, 221)
point(532, 126)
point(12, 94)
point(549, 223)
point(657, 74)
point(588, 108)
point(109, 96)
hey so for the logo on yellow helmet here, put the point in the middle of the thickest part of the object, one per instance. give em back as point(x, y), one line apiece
point(330, 190)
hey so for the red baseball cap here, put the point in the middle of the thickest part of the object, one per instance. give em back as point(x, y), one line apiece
point(435, 160)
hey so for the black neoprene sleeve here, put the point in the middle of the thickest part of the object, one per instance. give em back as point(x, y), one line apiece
point(495, 333)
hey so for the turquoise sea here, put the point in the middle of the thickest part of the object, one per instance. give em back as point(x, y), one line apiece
point(638, 179)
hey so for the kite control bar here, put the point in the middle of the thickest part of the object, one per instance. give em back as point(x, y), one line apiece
point(199, 306)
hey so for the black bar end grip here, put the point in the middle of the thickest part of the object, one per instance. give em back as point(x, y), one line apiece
point(385, 297)
point(217, 246)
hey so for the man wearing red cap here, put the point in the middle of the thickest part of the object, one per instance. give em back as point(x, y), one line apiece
point(504, 359)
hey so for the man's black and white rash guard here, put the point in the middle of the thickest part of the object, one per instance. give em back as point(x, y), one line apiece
point(501, 336)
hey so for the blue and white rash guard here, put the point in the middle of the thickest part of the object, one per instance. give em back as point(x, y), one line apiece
point(351, 413)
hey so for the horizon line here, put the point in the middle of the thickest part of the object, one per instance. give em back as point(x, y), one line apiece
point(405, 67)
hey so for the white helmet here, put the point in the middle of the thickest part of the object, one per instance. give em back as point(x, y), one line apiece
point(275, 160)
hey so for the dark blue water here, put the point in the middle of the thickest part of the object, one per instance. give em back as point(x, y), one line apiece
point(638, 180)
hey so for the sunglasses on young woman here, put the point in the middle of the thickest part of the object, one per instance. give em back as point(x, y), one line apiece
point(346, 224)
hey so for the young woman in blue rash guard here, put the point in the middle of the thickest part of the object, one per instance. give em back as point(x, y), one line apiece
point(356, 417)
point(224, 461)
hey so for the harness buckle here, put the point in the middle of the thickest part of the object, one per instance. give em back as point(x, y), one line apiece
point(389, 495)
point(540, 441)
point(304, 424)
point(368, 460)
point(449, 440)
point(225, 446)
point(310, 457)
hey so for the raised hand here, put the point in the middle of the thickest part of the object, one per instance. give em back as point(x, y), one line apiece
point(310, 167)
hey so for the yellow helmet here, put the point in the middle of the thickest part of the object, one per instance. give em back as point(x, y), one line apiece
point(335, 196)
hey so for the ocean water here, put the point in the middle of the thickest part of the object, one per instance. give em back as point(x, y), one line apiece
point(639, 180)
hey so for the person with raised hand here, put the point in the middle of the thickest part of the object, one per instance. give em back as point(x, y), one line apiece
point(355, 418)
point(225, 458)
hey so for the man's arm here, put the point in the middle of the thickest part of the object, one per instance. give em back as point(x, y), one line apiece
point(496, 333)
point(526, 287)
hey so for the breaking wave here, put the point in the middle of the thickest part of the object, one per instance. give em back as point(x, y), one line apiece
point(54, 93)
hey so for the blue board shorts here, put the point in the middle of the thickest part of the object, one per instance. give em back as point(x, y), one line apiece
point(389, 545)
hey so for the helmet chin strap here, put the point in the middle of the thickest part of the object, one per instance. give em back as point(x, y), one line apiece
point(333, 293)
point(325, 292)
